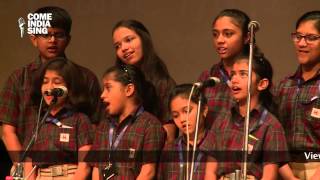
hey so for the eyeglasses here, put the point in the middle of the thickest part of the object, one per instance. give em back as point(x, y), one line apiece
point(309, 38)
point(58, 36)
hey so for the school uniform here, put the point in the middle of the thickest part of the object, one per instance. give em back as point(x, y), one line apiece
point(163, 92)
point(15, 98)
point(55, 150)
point(128, 145)
point(174, 158)
point(299, 113)
point(218, 97)
point(267, 142)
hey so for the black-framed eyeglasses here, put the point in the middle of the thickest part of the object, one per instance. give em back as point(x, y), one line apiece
point(58, 36)
point(309, 38)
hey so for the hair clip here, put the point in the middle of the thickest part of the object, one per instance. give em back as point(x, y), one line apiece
point(126, 71)
point(261, 59)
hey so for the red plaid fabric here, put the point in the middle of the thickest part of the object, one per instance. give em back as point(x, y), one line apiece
point(299, 108)
point(163, 93)
point(59, 145)
point(268, 144)
point(141, 143)
point(169, 167)
point(15, 100)
point(219, 97)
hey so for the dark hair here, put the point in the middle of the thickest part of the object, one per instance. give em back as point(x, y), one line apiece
point(311, 15)
point(78, 98)
point(60, 17)
point(183, 90)
point(145, 91)
point(241, 20)
point(263, 69)
point(151, 65)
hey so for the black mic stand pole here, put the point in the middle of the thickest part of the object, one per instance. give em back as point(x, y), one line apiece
point(247, 119)
point(18, 173)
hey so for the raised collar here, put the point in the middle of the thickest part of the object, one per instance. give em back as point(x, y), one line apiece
point(129, 119)
point(255, 114)
point(183, 139)
point(298, 75)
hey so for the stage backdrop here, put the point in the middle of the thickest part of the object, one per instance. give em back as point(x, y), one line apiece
point(181, 31)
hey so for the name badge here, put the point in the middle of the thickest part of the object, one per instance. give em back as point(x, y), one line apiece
point(64, 137)
point(315, 113)
point(250, 146)
point(132, 153)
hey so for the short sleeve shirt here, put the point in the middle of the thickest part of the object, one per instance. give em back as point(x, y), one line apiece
point(59, 144)
point(174, 156)
point(267, 142)
point(299, 111)
point(219, 97)
point(141, 143)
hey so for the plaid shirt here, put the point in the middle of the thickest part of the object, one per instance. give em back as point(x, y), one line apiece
point(59, 145)
point(169, 167)
point(299, 108)
point(267, 143)
point(141, 143)
point(15, 100)
point(219, 97)
point(163, 91)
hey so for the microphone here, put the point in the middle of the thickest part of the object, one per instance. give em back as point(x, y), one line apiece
point(21, 23)
point(212, 81)
point(60, 91)
point(254, 25)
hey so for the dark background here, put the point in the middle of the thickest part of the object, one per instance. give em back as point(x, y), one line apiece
point(181, 31)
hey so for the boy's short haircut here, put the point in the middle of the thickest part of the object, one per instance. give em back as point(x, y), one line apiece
point(60, 17)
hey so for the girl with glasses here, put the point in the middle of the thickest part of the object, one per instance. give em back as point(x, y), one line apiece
point(299, 102)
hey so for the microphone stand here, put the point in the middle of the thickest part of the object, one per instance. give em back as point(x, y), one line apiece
point(18, 172)
point(247, 119)
point(195, 139)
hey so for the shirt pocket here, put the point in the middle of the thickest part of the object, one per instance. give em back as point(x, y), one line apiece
point(311, 111)
point(65, 139)
point(126, 165)
point(255, 147)
point(129, 154)
point(253, 144)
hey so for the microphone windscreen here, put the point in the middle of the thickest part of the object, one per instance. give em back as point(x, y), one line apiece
point(255, 25)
